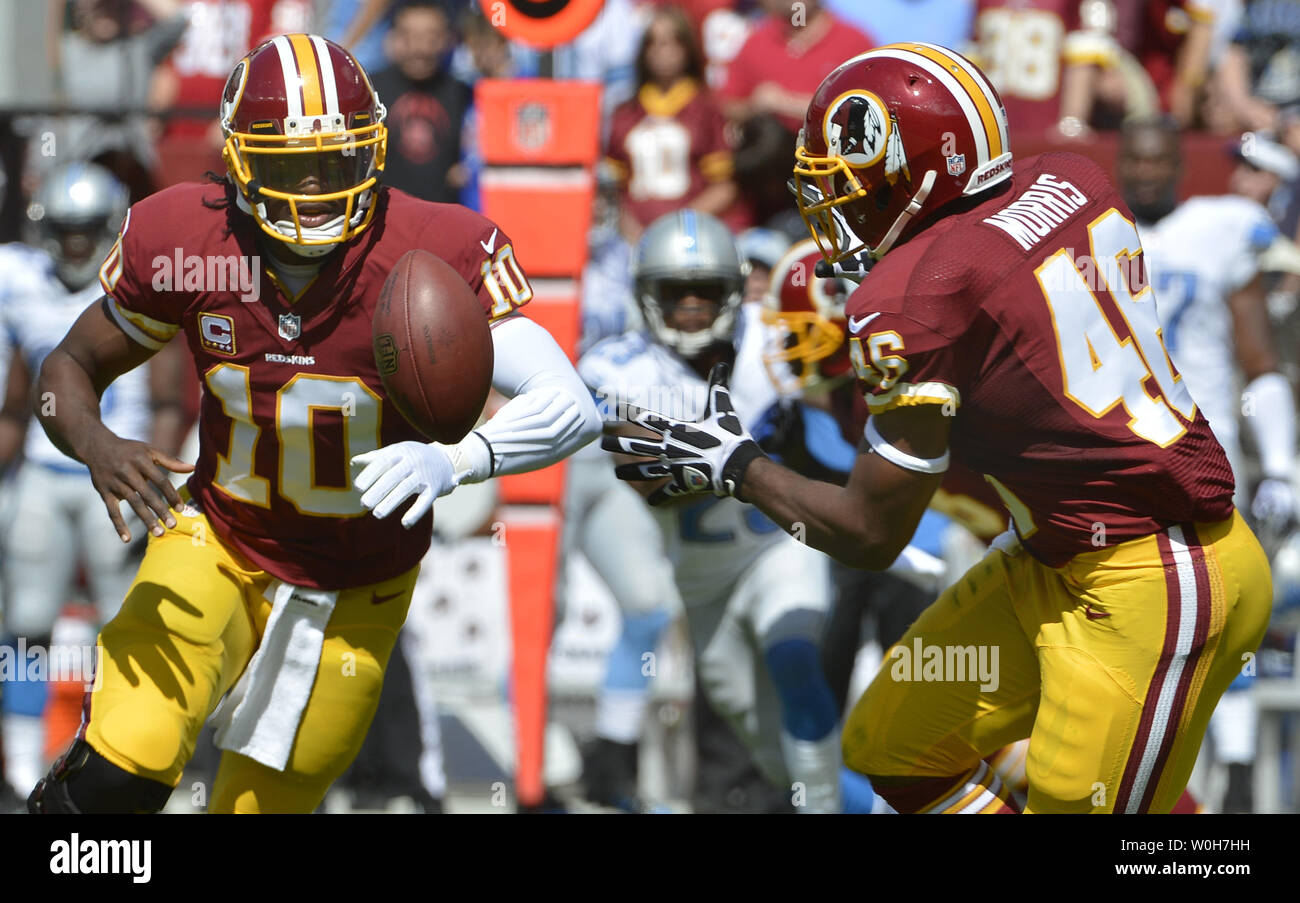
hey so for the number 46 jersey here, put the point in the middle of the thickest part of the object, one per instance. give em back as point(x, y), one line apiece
point(1027, 316)
point(291, 391)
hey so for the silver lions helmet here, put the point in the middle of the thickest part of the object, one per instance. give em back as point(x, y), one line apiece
point(77, 211)
point(683, 254)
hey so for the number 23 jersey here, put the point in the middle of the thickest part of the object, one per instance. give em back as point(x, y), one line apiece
point(291, 391)
point(1028, 317)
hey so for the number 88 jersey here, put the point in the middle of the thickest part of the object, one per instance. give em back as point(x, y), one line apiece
point(291, 391)
point(1028, 318)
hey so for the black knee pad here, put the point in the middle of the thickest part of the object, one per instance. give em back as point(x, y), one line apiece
point(83, 781)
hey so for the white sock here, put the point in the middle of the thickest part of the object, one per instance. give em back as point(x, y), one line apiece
point(815, 766)
point(24, 750)
point(620, 714)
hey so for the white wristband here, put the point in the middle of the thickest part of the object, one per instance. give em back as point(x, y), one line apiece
point(471, 459)
point(902, 458)
point(1272, 423)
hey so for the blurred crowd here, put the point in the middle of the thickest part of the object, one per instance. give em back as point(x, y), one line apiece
point(701, 98)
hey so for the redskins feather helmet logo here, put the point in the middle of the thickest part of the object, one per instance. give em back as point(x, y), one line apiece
point(862, 131)
point(234, 91)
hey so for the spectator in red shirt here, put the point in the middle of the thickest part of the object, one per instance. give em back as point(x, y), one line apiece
point(666, 144)
point(785, 58)
point(219, 33)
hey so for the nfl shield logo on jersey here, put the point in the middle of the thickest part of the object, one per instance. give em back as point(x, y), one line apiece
point(290, 326)
point(956, 164)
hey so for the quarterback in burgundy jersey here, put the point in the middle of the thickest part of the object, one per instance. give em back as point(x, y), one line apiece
point(280, 564)
point(1006, 326)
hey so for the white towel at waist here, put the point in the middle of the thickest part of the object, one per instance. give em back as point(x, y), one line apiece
point(259, 718)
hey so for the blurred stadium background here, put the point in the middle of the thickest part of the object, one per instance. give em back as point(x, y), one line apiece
point(574, 149)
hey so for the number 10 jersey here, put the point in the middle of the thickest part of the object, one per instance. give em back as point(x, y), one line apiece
point(291, 391)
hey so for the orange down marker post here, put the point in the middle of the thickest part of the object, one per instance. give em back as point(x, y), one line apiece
point(540, 140)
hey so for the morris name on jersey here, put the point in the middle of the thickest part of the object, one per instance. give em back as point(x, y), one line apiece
point(1028, 318)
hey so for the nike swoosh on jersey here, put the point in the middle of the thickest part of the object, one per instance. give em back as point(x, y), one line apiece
point(490, 243)
point(376, 599)
point(855, 325)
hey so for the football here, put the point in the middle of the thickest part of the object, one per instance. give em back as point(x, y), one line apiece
point(433, 347)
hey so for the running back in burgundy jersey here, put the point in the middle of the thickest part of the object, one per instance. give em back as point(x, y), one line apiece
point(290, 388)
point(1028, 317)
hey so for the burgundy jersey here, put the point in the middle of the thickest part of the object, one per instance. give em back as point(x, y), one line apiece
point(1028, 317)
point(667, 148)
point(290, 388)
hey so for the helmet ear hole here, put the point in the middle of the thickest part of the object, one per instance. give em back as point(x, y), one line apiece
point(884, 194)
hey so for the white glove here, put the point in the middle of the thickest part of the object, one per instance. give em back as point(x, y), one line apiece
point(1274, 505)
point(394, 473)
point(710, 454)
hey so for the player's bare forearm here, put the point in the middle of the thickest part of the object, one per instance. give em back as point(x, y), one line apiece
point(167, 381)
point(1252, 336)
point(821, 514)
point(869, 521)
point(67, 405)
point(74, 376)
point(93, 354)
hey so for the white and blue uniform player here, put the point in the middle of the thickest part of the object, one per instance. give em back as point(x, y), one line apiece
point(608, 523)
point(755, 598)
point(1205, 260)
point(52, 525)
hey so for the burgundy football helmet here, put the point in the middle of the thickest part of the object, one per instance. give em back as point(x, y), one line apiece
point(891, 133)
point(299, 113)
point(807, 314)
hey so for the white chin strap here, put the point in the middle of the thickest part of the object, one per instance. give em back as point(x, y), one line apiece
point(329, 230)
point(912, 209)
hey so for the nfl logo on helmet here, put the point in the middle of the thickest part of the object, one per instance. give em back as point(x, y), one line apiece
point(956, 164)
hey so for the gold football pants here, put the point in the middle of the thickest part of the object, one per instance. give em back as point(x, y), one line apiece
point(1111, 665)
point(191, 622)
